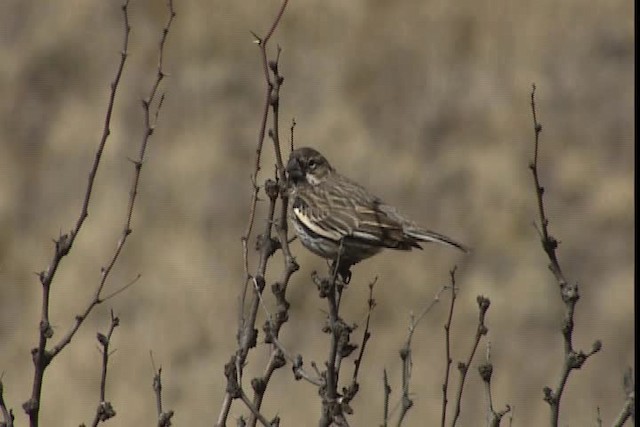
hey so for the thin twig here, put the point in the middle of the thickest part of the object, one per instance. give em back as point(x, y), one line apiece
point(255, 412)
point(568, 291)
point(330, 408)
point(348, 393)
point(447, 335)
point(262, 42)
point(300, 373)
point(164, 417)
point(105, 410)
point(273, 325)
point(293, 126)
point(463, 367)
point(267, 246)
point(415, 321)
point(629, 408)
point(339, 345)
point(270, 327)
point(7, 414)
point(42, 357)
point(387, 395)
point(63, 244)
point(371, 304)
point(133, 192)
point(486, 371)
point(406, 402)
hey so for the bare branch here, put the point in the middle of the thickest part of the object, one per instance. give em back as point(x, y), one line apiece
point(406, 357)
point(336, 328)
point(486, 371)
point(334, 405)
point(42, 357)
point(255, 412)
point(463, 367)
point(387, 395)
point(105, 410)
point(406, 351)
point(629, 408)
point(267, 245)
point(293, 126)
point(164, 417)
point(568, 291)
point(447, 335)
point(371, 304)
point(7, 414)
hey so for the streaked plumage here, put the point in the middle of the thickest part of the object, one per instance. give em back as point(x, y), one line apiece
point(331, 212)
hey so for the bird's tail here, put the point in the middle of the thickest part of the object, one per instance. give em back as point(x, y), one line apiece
point(431, 236)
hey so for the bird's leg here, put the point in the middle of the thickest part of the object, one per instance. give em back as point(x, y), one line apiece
point(341, 268)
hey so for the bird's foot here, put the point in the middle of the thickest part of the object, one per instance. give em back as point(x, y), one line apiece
point(341, 273)
point(345, 275)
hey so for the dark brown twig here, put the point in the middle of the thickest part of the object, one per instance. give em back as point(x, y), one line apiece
point(267, 245)
point(447, 346)
point(105, 410)
point(262, 43)
point(274, 190)
point(336, 406)
point(350, 392)
point(41, 356)
point(280, 351)
point(164, 417)
point(629, 408)
point(486, 371)
point(331, 409)
point(463, 367)
point(568, 291)
point(387, 396)
point(293, 126)
point(406, 352)
point(255, 411)
point(7, 414)
point(406, 403)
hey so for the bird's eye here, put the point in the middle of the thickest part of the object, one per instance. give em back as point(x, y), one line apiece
point(312, 164)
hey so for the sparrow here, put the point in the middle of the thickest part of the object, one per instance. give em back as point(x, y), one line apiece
point(339, 220)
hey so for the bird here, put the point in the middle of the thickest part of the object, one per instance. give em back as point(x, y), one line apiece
point(341, 221)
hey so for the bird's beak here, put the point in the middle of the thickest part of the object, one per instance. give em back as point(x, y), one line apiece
point(294, 170)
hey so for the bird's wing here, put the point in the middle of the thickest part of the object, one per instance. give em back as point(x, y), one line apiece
point(345, 208)
point(420, 234)
point(315, 216)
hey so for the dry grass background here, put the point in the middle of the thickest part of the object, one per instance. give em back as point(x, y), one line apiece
point(426, 102)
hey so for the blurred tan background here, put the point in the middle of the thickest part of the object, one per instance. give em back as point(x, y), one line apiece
point(424, 102)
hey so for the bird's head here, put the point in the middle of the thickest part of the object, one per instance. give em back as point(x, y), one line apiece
point(307, 165)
